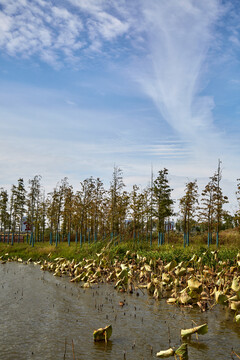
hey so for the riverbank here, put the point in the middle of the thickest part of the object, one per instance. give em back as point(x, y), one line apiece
point(44, 251)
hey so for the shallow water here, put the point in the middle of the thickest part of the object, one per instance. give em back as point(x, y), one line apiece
point(42, 316)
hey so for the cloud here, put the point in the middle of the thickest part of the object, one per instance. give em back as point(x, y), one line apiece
point(57, 34)
point(235, 39)
point(179, 35)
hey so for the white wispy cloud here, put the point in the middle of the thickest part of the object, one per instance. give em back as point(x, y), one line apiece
point(58, 34)
point(179, 35)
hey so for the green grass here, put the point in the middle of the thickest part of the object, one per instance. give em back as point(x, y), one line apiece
point(166, 252)
point(46, 251)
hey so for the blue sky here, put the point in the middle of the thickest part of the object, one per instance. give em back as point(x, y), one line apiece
point(88, 84)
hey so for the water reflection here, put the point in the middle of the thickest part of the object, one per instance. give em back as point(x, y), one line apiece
point(101, 346)
point(197, 345)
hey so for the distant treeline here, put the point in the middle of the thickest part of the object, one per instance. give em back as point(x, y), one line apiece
point(93, 212)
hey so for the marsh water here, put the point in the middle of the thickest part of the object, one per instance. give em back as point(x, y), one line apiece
point(45, 317)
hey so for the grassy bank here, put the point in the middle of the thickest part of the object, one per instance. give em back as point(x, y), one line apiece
point(168, 252)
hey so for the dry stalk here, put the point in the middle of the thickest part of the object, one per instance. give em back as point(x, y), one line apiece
point(73, 350)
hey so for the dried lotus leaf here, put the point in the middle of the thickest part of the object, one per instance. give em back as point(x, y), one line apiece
point(165, 353)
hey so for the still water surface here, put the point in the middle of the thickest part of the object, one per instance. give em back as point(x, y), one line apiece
point(41, 316)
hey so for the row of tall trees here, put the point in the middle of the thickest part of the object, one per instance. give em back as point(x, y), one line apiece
point(210, 212)
point(94, 212)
